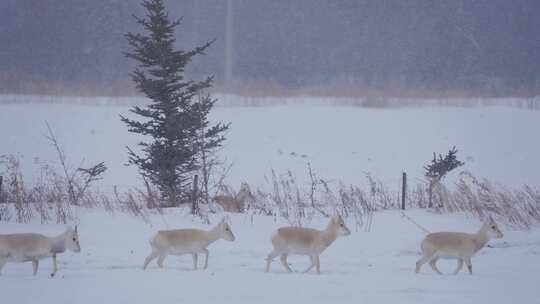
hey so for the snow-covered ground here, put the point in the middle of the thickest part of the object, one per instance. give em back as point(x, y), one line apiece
point(365, 267)
point(340, 142)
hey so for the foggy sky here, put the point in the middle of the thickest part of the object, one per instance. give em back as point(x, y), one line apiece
point(491, 45)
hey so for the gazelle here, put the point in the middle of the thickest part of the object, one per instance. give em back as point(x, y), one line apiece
point(305, 241)
point(186, 241)
point(456, 245)
point(235, 203)
point(32, 247)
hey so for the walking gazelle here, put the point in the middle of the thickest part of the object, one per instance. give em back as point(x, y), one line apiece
point(32, 247)
point(305, 241)
point(187, 241)
point(456, 245)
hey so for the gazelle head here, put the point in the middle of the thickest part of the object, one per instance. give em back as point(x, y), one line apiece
point(492, 229)
point(225, 231)
point(338, 223)
point(244, 192)
point(244, 187)
point(244, 197)
point(72, 239)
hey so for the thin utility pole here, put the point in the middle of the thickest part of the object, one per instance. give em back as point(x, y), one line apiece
point(403, 190)
point(229, 44)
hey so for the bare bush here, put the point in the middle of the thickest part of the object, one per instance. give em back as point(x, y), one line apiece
point(416, 197)
point(132, 203)
point(16, 192)
point(51, 195)
point(76, 181)
point(355, 203)
point(5, 213)
point(517, 207)
point(285, 197)
point(46, 197)
point(214, 173)
point(380, 195)
point(299, 203)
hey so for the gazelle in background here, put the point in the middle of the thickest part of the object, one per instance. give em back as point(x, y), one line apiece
point(456, 245)
point(305, 241)
point(32, 247)
point(187, 241)
point(236, 203)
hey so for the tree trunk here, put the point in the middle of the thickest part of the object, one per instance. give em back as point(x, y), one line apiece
point(433, 184)
point(151, 201)
point(194, 196)
point(430, 193)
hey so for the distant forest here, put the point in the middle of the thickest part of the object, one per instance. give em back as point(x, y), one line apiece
point(488, 47)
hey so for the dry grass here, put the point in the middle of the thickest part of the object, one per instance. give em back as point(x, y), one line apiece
point(519, 208)
point(284, 196)
point(48, 198)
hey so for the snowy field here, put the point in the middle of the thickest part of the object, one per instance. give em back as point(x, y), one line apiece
point(365, 267)
point(341, 142)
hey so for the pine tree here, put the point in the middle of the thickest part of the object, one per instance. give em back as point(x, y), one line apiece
point(175, 115)
point(437, 170)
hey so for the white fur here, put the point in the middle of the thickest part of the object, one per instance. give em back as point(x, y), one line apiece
point(456, 245)
point(305, 241)
point(236, 203)
point(186, 241)
point(32, 247)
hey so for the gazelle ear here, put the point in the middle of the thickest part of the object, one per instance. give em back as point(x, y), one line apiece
point(225, 219)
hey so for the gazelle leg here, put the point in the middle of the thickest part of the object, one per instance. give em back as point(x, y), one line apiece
point(149, 258)
point(433, 264)
point(459, 266)
point(283, 259)
point(318, 264)
point(3, 262)
point(424, 259)
point(194, 255)
point(269, 259)
point(160, 260)
point(469, 265)
point(35, 264)
point(55, 265)
point(206, 254)
point(312, 264)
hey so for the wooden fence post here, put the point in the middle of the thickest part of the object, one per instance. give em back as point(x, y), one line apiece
point(403, 190)
point(1, 195)
point(194, 196)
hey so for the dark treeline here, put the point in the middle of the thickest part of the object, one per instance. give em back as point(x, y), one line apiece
point(490, 46)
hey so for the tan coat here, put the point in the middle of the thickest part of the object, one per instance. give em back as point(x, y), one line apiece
point(237, 203)
point(456, 245)
point(32, 247)
point(305, 241)
point(186, 241)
